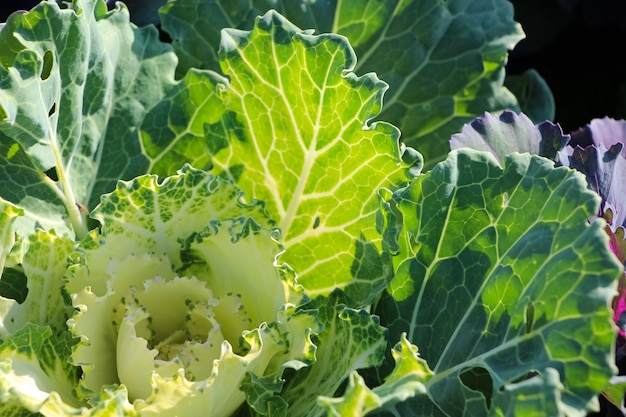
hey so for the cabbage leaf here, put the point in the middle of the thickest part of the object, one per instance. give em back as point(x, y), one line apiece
point(292, 127)
point(74, 86)
point(500, 281)
point(444, 61)
point(44, 264)
point(181, 244)
point(245, 282)
point(509, 132)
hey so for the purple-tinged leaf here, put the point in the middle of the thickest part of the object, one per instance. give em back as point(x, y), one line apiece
point(597, 150)
point(509, 132)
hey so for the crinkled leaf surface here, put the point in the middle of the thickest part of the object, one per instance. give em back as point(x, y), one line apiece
point(180, 295)
point(407, 379)
point(500, 278)
point(74, 86)
point(351, 339)
point(158, 217)
point(444, 61)
point(292, 128)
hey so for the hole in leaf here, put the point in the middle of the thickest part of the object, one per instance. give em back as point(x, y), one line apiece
point(316, 222)
point(13, 285)
point(48, 60)
point(52, 110)
point(530, 317)
point(52, 174)
point(479, 379)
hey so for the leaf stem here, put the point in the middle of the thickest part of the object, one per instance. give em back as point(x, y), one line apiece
point(77, 218)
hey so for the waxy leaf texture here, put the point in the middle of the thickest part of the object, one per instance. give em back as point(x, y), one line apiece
point(500, 279)
point(73, 89)
point(444, 60)
point(239, 232)
point(292, 128)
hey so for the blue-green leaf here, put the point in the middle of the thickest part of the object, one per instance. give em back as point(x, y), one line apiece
point(501, 277)
point(74, 85)
point(444, 60)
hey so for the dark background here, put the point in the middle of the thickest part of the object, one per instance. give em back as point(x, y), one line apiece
point(578, 46)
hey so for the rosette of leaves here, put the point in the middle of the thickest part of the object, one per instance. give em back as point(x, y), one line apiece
point(75, 120)
point(179, 308)
point(87, 99)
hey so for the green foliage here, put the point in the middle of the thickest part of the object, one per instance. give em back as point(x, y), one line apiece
point(214, 241)
point(308, 152)
point(499, 276)
point(444, 60)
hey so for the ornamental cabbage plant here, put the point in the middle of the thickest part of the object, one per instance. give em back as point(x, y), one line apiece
point(182, 314)
point(251, 237)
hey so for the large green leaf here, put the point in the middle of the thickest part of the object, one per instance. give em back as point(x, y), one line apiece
point(292, 128)
point(500, 278)
point(443, 60)
point(195, 26)
point(74, 85)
